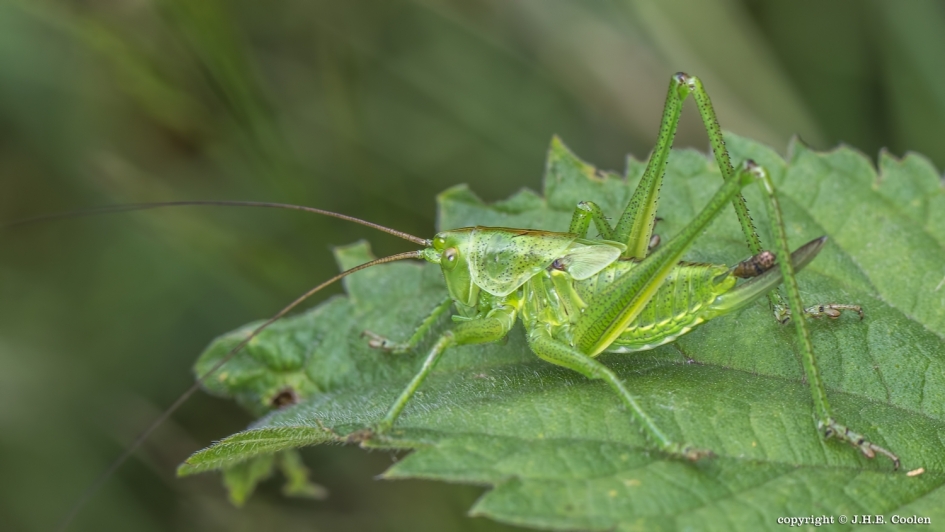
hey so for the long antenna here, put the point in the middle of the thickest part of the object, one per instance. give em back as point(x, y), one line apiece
point(100, 481)
point(113, 209)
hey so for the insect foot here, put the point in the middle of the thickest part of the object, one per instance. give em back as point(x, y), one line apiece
point(869, 449)
point(377, 341)
point(829, 310)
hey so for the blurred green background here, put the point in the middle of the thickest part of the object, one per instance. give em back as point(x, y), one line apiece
point(369, 108)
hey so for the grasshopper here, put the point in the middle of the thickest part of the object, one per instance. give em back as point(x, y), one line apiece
point(578, 297)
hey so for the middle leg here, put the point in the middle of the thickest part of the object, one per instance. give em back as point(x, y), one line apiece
point(385, 344)
point(561, 354)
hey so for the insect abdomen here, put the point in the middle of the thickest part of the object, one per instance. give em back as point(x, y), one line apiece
point(676, 307)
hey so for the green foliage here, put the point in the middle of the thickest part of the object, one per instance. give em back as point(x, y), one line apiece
point(241, 478)
point(559, 451)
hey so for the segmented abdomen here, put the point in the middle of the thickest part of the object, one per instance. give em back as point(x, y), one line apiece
point(675, 309)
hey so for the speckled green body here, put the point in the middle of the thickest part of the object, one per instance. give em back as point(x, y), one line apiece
point(683, 301)
point(529, 273)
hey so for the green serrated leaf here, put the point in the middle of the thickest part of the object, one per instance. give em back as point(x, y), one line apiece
point(250, 444)
point(558, 451)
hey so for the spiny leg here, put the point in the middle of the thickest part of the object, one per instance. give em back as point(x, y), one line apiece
point(491, 328)
point(615, 306)
point(607, 316)
point(636, 223)
point(635, 226)
point(781, 311)
point(561, 354)
point(825, 421)
point(724, 161)
point(380, 342)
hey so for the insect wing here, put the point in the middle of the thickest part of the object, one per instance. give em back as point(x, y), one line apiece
point(585, 259)
point(503, 259)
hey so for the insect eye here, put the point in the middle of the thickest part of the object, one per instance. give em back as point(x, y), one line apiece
point(450, 257)
point(439, 243)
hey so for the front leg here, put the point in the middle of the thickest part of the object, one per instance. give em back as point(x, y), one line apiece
point(385, 344)
point(491, 328)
